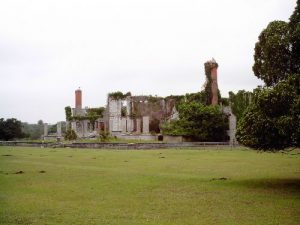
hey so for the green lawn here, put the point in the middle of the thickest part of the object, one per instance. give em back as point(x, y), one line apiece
point(80, 186)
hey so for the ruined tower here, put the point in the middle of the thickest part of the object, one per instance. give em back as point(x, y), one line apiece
point(211, 85)
point(78, 99)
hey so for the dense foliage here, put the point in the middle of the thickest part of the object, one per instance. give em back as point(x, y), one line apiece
point(33, 131)
point(70, 135)
point(199, 97)
point(118, 95)
point(68, 113)
point(277, 51)
point(272, 53)
point(10, 129)
point(207, 87)
point(294, 40)
point(92, 114)
point(239, 102)
point(202, 123)
point(272, 122)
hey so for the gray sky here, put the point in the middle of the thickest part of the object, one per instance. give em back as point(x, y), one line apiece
point(50, 48)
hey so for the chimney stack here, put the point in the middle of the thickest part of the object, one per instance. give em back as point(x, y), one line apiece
point(78, 99)
point(211, 68)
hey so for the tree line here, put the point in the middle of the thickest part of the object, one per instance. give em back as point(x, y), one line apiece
point(12, 129)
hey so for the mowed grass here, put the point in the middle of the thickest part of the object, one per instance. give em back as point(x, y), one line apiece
point(204, 186)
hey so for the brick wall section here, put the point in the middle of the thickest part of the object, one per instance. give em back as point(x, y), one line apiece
point(78, 99)
point(214, 86)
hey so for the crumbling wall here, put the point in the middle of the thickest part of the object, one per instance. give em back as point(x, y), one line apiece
point(115, 115)
point(156, 108)
point(211, 84)
point(232, 125)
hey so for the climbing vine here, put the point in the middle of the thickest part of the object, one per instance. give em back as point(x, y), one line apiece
point(92, 115)
point(208, 83)
point(68, 112)
point(118, 95)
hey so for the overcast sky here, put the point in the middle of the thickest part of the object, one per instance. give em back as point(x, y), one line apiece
point(50, 48)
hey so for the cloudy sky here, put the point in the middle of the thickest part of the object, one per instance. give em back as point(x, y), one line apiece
point(50, 48)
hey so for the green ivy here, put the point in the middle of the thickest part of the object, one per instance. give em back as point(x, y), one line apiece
point(202, 123)
point(68, 112)
point(207, 88)
point(92, 115)
point(118, 95)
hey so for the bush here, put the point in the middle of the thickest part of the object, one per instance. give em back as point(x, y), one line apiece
point(70, 135)
point(104, 136)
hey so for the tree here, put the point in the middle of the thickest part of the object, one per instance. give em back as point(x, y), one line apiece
point(202, 123)
point(10, 129)
point(70, 135)
point(33, 131)
point(239, 102)
point(277, 53)
point(272, 53)
point(52, 129)
point(272, 122)
point(294, 27)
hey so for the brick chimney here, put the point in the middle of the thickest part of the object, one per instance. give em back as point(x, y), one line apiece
point(211, 68)
point(78, 99)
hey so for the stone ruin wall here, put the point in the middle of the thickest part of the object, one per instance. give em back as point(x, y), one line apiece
point(158, 109)
point(115, 119)
point(147, 113)
point(211, 84)
point(144, 114)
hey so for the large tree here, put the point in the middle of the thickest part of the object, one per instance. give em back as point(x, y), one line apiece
point(239, 102)
point(272, 122)
point(33, 131)
point(203, 123)
point(10, 129)
point(277, 50)
point(272, 53)
point(294, 29)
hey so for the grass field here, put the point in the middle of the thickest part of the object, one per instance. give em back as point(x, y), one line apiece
point(210, 186)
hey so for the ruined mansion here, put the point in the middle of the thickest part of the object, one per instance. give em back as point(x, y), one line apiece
point(124, 116)
point(137, 117)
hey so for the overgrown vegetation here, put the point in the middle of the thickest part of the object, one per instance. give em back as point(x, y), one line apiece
point(202, 123)
point(118, 95)
point(154, 99)
point(104, 136)
point(10, 129)
point(33, 131)
point(70, 135)
point(239, 102)
point(68, 113)
point(92, 114)
point(197, 119)
point(207, 88)
point(272, 121)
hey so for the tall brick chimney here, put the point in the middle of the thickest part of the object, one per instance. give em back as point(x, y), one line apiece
point(211, 68)
point(78, 99)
